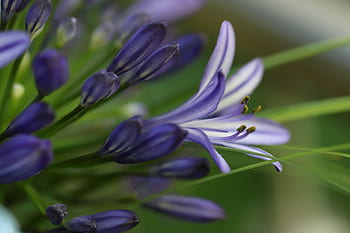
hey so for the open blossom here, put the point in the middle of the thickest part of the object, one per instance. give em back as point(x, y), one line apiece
point(215, 114)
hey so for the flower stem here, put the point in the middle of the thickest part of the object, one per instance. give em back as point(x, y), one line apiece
point(33, 194)
point(303, 52)
point(309, 109)
point(6, 99)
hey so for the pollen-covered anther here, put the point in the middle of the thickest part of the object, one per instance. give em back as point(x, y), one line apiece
point(251, 129)
point(257, 109)
point(241, 128)
point(245, 109)
point(245, 99)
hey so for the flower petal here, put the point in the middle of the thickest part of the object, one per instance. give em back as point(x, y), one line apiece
point(197, 136)
point(196, 108)
point(242, 83)
point(277, 165)
point(222, 56)
point(12, 44)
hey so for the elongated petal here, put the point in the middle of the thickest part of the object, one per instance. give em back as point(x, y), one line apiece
point(199, 107)
point(277, 165)
point(123, 136)
point(33, 118)
point(242, 83)
point(140, 46)
point(12, 45)
point(115, 221)
point(222, 56)
point(197, 136)
point(154, 143)
point(187, 208)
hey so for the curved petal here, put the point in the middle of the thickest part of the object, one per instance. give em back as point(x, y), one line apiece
point(242, 83)
point(277, 165)
point(203, 105)
point(12, 45)
point(222, 56)
point(197, 136)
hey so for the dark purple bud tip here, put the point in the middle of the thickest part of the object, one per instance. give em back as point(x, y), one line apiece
point(191, 46)
point(131, 24)
point(56, 213)
point(115, 221)
point(140, 46)
point(152, 144)
point(123, 136)
point(82, 224)
point(36, 116)
point(187, 208)
point(98, 87)
point(37, 16)
point(23, 156)
point(51, 71)
point(22, 5)
point(183, 168)
point(12, 45)
point(156, 64)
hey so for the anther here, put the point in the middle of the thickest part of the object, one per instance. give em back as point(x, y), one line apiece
point(245, 100)
point(251, 129)
point(257, 109)
point(245, 109)
point(241, 128)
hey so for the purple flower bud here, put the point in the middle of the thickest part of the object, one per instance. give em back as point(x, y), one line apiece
point(140, 46)
point(115, 221)
point(187, 208)
point(156, 64)
point(131, 24)
point(9, 8)
point(51, 71)
point(23, 156)
point(12, 45)
point(56, 213)
point(22, 5)
point(98, 87)
point(191, 46)
point(152, 144)
point(123, 136)
point(66, 30)
point(144, 187)
point(183, 168)
point(37, 16)
point(33, 118)
point(82, 224)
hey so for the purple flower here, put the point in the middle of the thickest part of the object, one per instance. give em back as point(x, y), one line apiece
point(187, 208)
point(169, 10)
point(33, 118)
point(51, 71)
point(56, 213)
point(155, 65)
point(37, 16)
point(113, 221)
point(23, 156)
point(182, 168)
point(140, 46)
point(131, 24)
point(152, 144)
point(12, 45)
point(98, 87)
point(213, 116)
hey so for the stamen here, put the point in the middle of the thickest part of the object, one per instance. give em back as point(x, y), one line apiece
point(257, 109)
point(245, 109)
point(245, 100)
point(241, 128)
point(251, 129)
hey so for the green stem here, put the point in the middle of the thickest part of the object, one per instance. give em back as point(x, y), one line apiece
point(86, 160)
point(6, 99)
point(303, 52)
point(12, 22)
point(309, 109)
point(34, 195)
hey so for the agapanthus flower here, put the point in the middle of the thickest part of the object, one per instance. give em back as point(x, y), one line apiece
point(213, 116)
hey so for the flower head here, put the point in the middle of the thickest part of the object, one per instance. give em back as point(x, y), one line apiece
point(214, 115)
